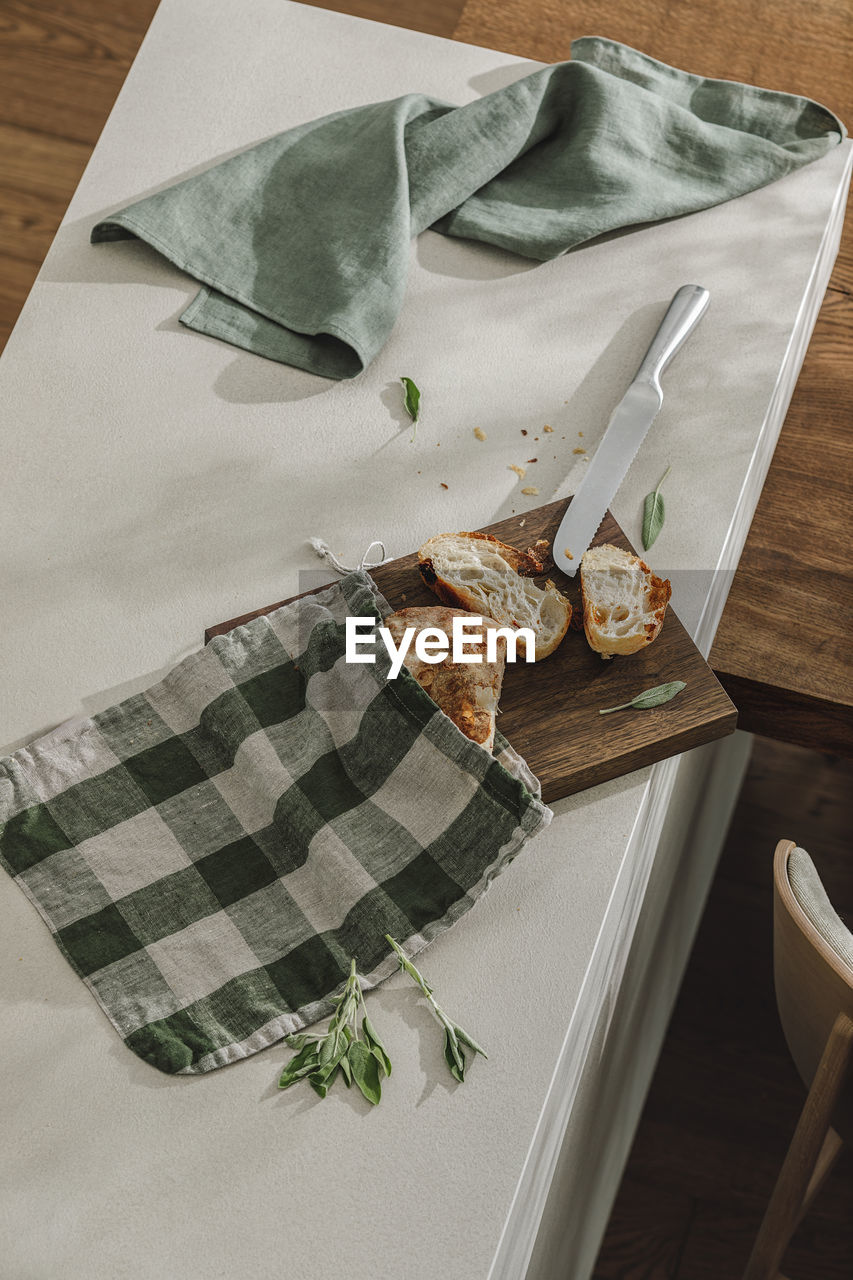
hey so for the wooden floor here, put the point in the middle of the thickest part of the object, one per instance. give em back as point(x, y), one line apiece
point(725, 1097)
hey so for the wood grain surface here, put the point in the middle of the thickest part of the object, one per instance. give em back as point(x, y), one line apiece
point(549, 710)
point(62, 63)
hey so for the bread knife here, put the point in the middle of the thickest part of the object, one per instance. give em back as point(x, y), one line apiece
point(626, 431)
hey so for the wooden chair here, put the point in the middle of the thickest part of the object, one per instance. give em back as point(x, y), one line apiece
point(813, 961)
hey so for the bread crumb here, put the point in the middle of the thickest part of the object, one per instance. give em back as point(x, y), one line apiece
point(479, 433)
point(522, 522)
point(580, 433)
point(519, 471)
point(523, 432)
point(531, 490)
point(443, 485)
point(547, 428)
point(567, 553)
point(438, 444)
point(532, 459)
point(403, 597)
point(578, 450)
point(536, 438)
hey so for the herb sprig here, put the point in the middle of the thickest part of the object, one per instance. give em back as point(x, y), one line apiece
point(361, 1059)
point(455, 1039)
point(650, 697)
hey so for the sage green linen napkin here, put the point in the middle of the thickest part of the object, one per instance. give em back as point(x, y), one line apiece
point(211, 853)
point(302, 242)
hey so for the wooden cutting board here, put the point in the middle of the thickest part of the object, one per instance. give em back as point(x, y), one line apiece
point(550, 710)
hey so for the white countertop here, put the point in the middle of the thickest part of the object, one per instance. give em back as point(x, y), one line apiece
point(163, 481)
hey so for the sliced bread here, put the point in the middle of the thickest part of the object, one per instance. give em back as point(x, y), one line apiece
point(475, 571)
point(466, 692)
point(624, 603)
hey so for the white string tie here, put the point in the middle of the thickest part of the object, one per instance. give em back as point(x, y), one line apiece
point(325, 553)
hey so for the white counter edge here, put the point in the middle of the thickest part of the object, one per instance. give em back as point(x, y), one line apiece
point(613, 944)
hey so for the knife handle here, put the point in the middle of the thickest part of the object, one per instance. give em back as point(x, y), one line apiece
point(683, 314)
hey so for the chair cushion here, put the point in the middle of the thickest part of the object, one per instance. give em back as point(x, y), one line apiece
point(811, 896)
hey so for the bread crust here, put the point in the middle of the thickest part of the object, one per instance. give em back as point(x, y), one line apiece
point(530, 563)
point(466, 692)
point(527, 564)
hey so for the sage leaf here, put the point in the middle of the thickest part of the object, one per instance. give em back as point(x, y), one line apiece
point(382, 1059)
point(357, 1055)
point(376, 1045)
point(413, 398)
point(326, 1071)
point(654, 513)
point(305, 1054)
point(365, 1071)
point(290, 1077)
point(370, 1031)
point(297, 1041)
point(287, 1079)
point(305, 1062)
point(319, 1085)
point(454, 1043)
point(472, 1044)
point(346, 1071)
point(454, 1057)
point(650, 697)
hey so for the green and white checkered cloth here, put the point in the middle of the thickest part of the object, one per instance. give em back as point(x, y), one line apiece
point(211, 853)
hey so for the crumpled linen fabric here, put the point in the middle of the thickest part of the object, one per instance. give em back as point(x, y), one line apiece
point(302, 242)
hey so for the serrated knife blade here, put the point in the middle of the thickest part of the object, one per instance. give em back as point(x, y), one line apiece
point(626, 431)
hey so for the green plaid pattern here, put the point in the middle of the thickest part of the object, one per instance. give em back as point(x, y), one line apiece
point(211, 853)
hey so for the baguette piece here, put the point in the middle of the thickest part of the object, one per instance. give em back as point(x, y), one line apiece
point(624, 603)
point(476, 572)
point(466, 692)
